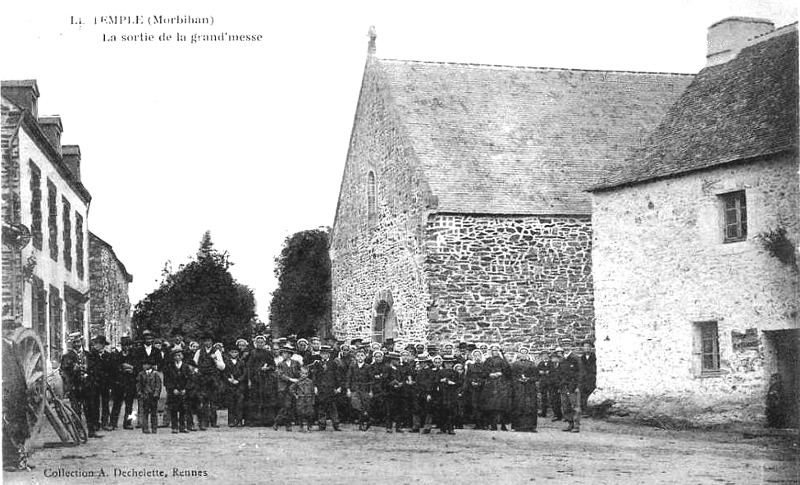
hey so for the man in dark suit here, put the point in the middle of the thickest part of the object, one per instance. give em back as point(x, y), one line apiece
point(570, 377)
point(123, 383)
point(327, 375)
point(589, 360)
point(177, 379)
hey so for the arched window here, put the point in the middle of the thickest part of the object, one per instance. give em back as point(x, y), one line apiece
point(379, 322)
point(371, 194)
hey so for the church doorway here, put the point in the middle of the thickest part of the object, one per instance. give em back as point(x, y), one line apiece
point(384, 320)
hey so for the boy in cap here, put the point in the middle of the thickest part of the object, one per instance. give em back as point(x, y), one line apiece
point(235, 376)
point(148, 389)
point(303, 393)
point(177, 377)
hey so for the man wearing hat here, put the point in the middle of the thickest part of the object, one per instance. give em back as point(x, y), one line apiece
point(124, 389)
point(359, 382)
point(570, 377)
point(381, 377)
point(423, 405)
point(177, 378)
point(288, 372)
point(148, 352)
point(344, 360)
point(327, 376)
point(102, 370)
point(394, 402)
point(589, 360)
point(96, 382)
point(73, 372)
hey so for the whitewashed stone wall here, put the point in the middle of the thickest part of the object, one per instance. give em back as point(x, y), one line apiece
point(660, 266)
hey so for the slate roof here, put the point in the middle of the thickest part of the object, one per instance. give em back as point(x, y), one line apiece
point(516, 140)
point(739, 110)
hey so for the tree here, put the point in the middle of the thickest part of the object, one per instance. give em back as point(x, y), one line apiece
point(301, 304)
point(201, 297)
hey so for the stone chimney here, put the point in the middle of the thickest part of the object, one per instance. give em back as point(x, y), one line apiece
point(52, 128)
point(24, 93)
point(71, 154)
point(728, 36)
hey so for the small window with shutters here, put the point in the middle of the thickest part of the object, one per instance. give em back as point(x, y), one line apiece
point(734, 206)
point(706, 349)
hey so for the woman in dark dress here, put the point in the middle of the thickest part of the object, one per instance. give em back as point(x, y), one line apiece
point(524, 401)
point(263, 395)
point(497, 388)
point(473, 388)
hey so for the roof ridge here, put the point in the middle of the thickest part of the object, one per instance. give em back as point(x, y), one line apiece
point(509, 66)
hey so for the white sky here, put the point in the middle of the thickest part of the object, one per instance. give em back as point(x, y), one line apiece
point(249, 140)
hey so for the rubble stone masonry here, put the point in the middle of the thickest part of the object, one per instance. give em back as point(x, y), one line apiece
point(110, 304)
point(379, 251)
point(661, 269)
point(511, 279)
point(450, 277)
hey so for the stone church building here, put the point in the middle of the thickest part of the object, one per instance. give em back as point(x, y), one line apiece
point(696, 316)
point(462, 214)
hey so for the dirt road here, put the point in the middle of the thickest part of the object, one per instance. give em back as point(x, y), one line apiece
point(604, 453)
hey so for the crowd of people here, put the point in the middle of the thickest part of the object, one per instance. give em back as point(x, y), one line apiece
point(304, 383)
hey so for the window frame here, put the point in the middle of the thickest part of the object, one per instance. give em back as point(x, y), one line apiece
point(707, 349)
point(734, 217)
point(371, 194)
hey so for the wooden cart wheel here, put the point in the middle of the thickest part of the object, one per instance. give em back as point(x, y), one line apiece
point(26, 381)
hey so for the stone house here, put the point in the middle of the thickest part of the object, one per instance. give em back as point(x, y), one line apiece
point(109, 280)
point(461, 211)
point(694, 315)
point(45, 232)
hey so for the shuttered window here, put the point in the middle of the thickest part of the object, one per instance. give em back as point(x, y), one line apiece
point(735, 207)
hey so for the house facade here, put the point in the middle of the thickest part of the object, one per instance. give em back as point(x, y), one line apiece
point(696, 312)
point(46, 208)
point(109, 280)
point(461, 214)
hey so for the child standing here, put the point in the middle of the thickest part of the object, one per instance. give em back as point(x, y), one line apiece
point(303, 391)
point(148, 390)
